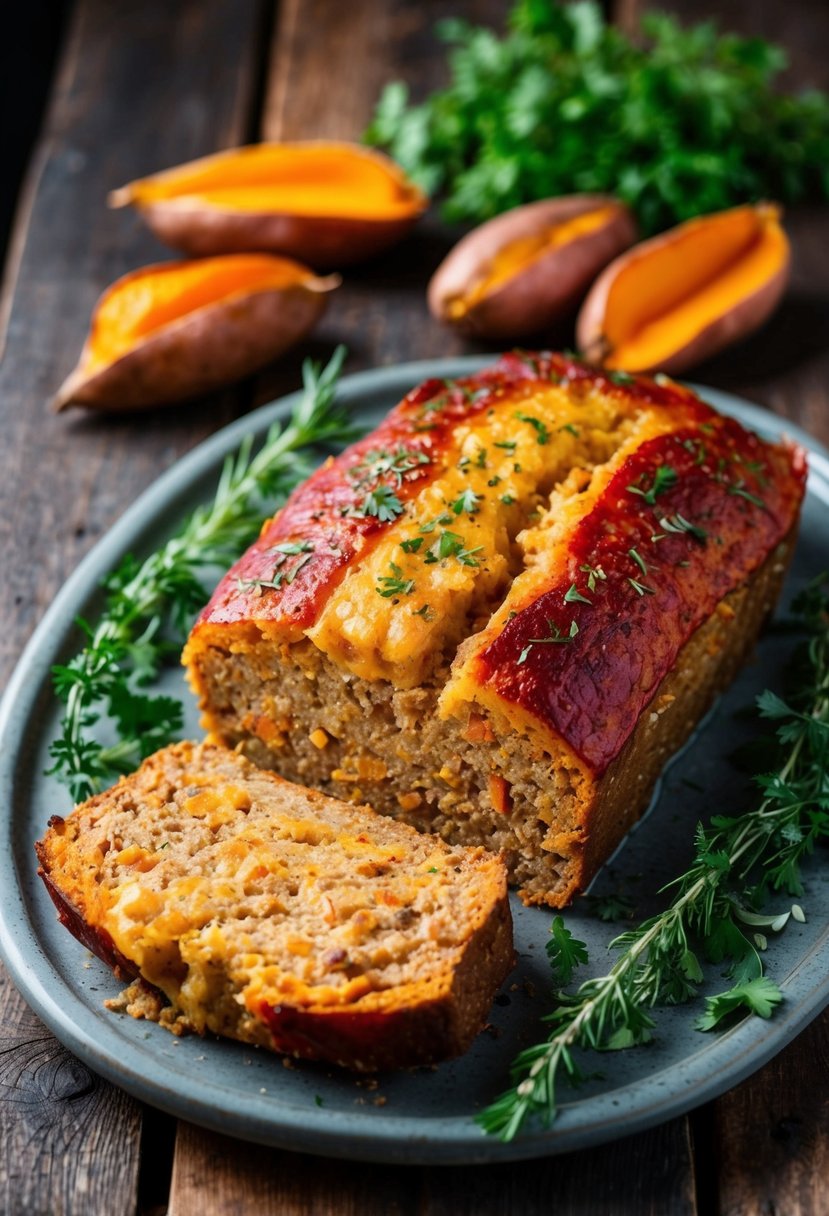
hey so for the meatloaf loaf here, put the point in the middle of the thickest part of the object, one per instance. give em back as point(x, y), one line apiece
point(499, 614)
point(280, 917)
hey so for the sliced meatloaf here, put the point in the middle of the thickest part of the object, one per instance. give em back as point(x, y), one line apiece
point(280, 917)
point(498, 615)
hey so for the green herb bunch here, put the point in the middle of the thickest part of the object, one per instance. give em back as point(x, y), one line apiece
point(717, 913)
point(676, 122)
point(150, 604)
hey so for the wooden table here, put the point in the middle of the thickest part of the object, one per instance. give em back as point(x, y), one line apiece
point(143, 84)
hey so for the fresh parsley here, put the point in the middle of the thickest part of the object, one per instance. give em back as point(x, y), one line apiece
point(675, 121)
point(393, 584)
point(564, 952)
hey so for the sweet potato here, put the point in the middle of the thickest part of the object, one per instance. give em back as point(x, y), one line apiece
point(672, 301)
point(523, 270)
point(326, 204)
point(177, 329)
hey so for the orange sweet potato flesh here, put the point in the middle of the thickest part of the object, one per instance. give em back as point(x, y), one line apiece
point(173, 330)
point(678, 298)
point(521, 272)
point(325, 203)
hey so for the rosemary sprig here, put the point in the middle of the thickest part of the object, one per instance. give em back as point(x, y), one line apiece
point(149, 605)
point(739, 861)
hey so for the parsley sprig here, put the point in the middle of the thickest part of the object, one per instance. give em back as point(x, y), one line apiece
point(676, 121)
point(739, 862)
point(149, 604)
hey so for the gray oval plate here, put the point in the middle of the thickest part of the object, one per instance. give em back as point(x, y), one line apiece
point(426, 1116)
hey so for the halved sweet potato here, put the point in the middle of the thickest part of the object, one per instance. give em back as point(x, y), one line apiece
point(523, 270)
point(177, 329)
point(676, 299)
point(327, 204)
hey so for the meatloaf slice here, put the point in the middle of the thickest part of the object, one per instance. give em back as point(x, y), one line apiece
point(277, 916)
point(498, 615)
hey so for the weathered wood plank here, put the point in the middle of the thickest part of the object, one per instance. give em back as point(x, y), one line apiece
point(647, 1175)
point(770, 1136)
point(328, 67)
point(68, 1140)
point(141, 86)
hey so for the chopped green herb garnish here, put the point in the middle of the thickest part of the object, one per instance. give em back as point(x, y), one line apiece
point(412, 544)
point(290, 547)
point(741, 492)
point(509, 445)
point(573, 430)
point(494, 481)
point(424, 610)
point(380, 462)
point(641, 588)
point(678, 523)
point(663, 479)
point(538, 426)
point(431, 524)
point(640, 561)
point(573, 596)
point(394, 584)
point(381, 502)
point(594, 574)
point(466, 502)
point(556, 638)
point(621, 378)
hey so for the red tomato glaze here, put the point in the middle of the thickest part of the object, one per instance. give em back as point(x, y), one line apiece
point(327, 515)
point(654, 557)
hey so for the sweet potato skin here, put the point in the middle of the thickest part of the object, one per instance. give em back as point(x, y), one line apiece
point(200, 352)
point(320, 241)
point(546, 289)
point(326, 242)
point(748, 315)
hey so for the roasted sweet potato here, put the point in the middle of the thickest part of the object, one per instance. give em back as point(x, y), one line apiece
point(676, 299)
point(523, 270)
point(326, 204)
point(176, 329)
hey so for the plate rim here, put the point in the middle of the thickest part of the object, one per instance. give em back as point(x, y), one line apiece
point(397, 1138)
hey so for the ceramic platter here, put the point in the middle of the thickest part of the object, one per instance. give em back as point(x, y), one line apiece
point(424, 1116)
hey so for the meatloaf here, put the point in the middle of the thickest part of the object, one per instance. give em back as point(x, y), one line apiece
point(280, 917)
point(498, 615)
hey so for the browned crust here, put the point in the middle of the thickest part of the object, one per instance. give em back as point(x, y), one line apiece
point(706, 665)
point(424, 1033)
point(428, 1020)
point(204, 350)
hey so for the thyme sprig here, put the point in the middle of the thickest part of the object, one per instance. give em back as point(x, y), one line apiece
point(714, 914)
point(149, 604)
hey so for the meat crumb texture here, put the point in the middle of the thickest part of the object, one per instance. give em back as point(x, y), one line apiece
point(497, 616)
point(244, 906)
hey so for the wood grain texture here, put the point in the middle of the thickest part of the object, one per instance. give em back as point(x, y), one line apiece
point(647, 1175)
point(769, 1137)
point(327, 85)
point(69, 1142)
point(140, 86)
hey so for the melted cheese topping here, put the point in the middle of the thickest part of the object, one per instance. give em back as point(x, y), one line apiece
point(445, 563)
